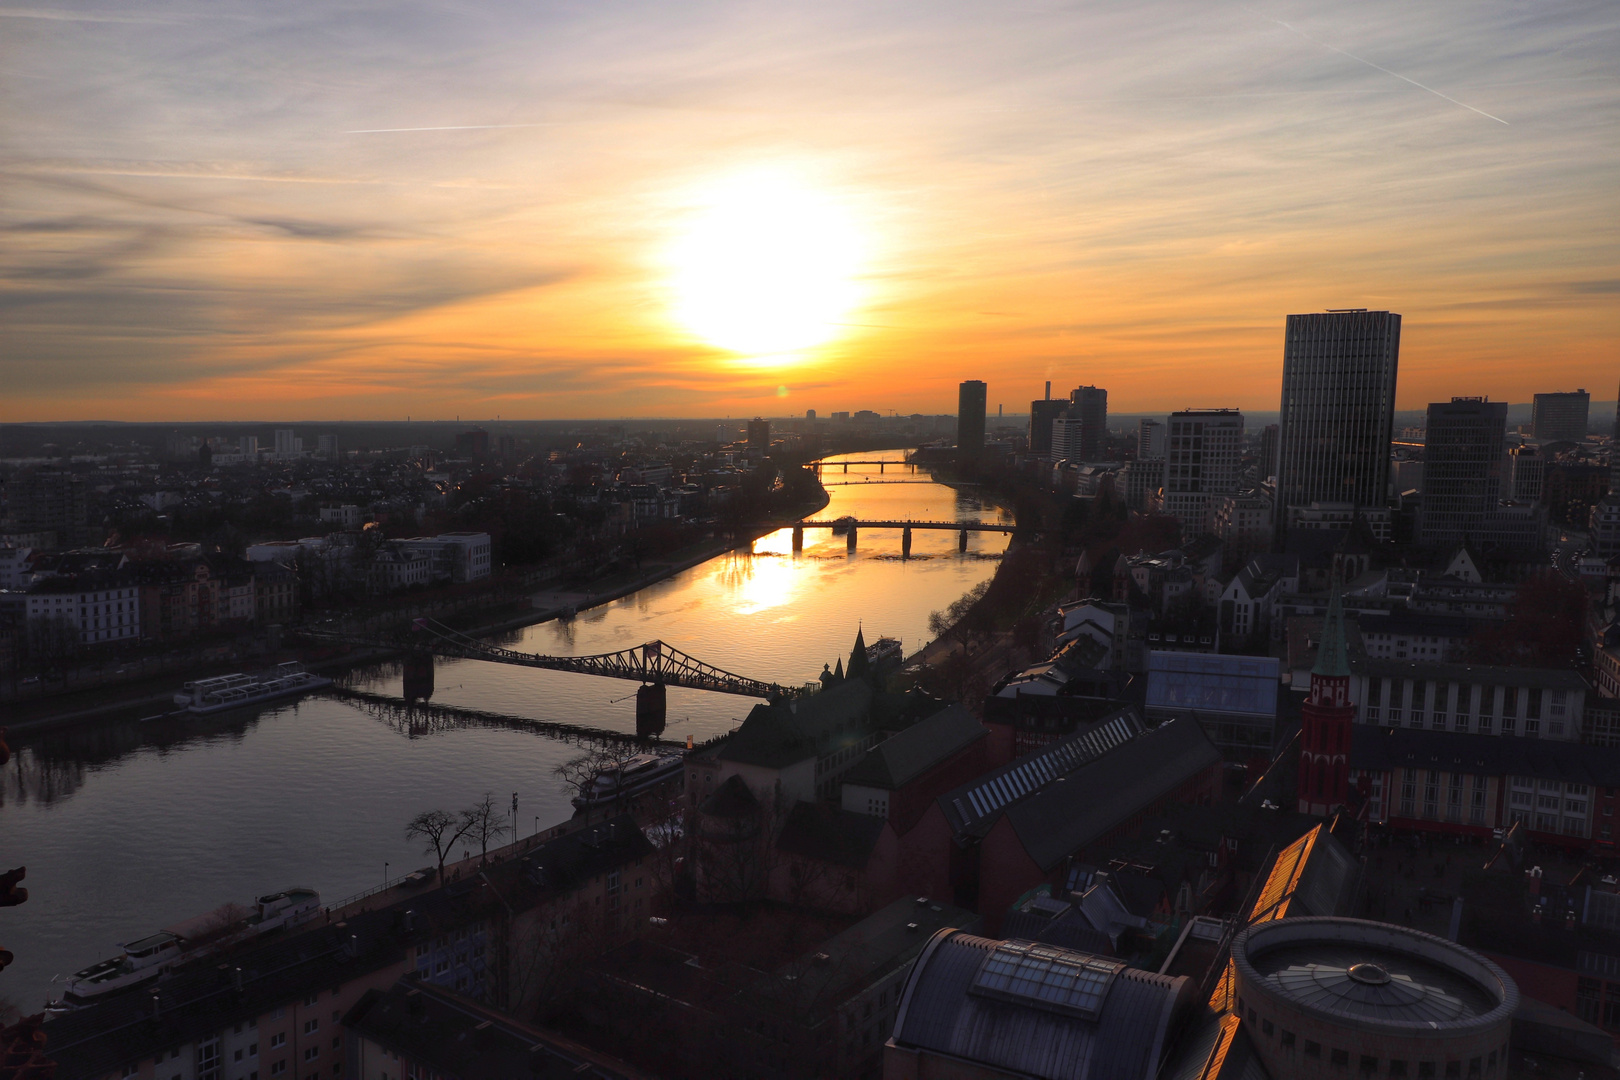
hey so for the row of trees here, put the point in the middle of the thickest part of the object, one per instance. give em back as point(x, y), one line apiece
point(439, 830)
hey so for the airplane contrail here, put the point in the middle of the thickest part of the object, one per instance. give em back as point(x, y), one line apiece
point(455, 127)
point(1385, 70)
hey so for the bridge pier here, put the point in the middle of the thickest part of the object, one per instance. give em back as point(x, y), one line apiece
point(418, 676)
point(905, 543)
point(846, 466)
point(651, 707)
point(961, 540)
point(849, 538)
point(880, 468)
point(798, 539)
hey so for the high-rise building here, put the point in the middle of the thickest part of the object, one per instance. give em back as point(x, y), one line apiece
point(1041, 415)
point(1204, 459)
point(1338, 409)
point(759, 435)
point(970, 399)
point(1525, 469)
point(1560, 417)
point(1462, 468)
point(1150, 439)
point(288, 444)
point(1089, 405)
point(248, 445)
point(809, 414)
point(328, 447)
point(1268, 452)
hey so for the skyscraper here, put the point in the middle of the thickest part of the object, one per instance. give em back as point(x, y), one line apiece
point(1462, 468)
point(1041, 415)
point(1204, 460)
point(1338, 409)
point(1150, 439)
point(759, 435)
point(1088, 416)
point(970, 399)
point(1560, 417)
point(1268, 452)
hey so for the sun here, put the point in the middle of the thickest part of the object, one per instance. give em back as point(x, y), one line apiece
point(767, 266)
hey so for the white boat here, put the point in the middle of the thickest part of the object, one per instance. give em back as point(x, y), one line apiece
point(149, 957)
point(631, 776)
point(885, 652)
point(204, 696)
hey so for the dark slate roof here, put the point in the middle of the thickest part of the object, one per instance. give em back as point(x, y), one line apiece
point(731, 799)
point(1380, 748)
point(828, 833)
point(940, 1012)
point(455, 1035)
point(199, 998)
point(783, 732)
point(1487, 674)
point(1063, 816)
point(974, 808)
point(1055, 922)
point(907, 755)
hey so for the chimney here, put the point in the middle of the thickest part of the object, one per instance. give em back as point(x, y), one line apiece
point(1048, 389)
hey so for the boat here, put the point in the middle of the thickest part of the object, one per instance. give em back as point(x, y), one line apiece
point(630, 777)
point(884, 653)
point(204, 696)
point(147, 958)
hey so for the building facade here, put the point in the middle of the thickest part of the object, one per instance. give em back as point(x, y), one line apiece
point(1560, 417)
point(1462, 469)
point(1338, 406)
point(970, 406)
point(1204, 460)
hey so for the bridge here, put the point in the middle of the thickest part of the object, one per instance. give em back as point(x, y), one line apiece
point(851, 528)
point(655, 665)
point(417, 719)
point(882, 465)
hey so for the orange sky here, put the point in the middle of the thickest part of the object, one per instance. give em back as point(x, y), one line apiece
point(204, 220)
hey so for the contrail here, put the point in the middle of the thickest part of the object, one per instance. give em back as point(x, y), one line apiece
point(1385, 70)
point(457, 127)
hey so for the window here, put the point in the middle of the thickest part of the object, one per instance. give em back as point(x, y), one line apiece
point(278, 1068)
point(337, 1042)
point(312, 1053)
point(277, 1041)
point(1313, 1049)
point(1265, 1026)
point(1287, 1040)
point(1369, 1064)
point(1339, 1057)
point(311, 1026)
point(312, 999)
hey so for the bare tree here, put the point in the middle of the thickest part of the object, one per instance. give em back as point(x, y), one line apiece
point(484, 821)
point(438, 830)
point(581, 772)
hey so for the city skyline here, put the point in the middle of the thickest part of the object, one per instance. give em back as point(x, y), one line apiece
point(228, 213)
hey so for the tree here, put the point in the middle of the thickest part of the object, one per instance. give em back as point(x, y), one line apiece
point(438, 830)
point(484, 821)
point(581, 772)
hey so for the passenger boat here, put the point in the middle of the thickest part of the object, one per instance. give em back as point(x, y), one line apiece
point(630, 777)
point(885, 652)
point(204, 696)
point(147, 958)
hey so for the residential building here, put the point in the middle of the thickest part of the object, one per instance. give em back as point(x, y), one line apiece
point(1462, 469)
point(899, 778)
point(1242, 519)
point(1341, 517)
point(274, 1008)
point(275, 593)
point(53, 503)
point(328, 447)
point(759, 435)
point(1402, 634)
point(69, 612)
point(288, 444)
point(417, 1029)
point(970, 406)
point(1204, 460)
point(347, 516)
point(1245, 606)
point(456, 556)
point(1338, 406)
point(1560, 417)
point(1142, 481)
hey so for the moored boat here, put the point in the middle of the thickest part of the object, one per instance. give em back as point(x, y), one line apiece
point(204, 696)
point(630, 777)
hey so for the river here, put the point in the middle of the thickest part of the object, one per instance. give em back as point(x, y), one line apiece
point(126, 827)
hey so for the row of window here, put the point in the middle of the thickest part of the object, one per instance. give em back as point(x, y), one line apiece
point(1368, 1064)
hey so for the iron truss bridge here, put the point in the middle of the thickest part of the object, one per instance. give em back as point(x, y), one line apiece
point(654, 663)
point(417, 719)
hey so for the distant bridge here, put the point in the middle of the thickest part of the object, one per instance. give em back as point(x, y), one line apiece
point(851, 528)
point(882, 465)
point(416, 719)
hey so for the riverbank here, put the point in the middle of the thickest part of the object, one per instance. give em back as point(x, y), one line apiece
point(132, 700)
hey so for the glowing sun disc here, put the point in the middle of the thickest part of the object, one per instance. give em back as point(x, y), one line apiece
point(768, 266)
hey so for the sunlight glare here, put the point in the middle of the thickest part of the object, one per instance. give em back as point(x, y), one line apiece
point(768, 266)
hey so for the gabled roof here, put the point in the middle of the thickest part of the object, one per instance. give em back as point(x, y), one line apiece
point(976, 806)
point(898, 760)
point(784, 732)
point(1314, 875)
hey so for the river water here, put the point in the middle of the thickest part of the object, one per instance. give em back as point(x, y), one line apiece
point(127, 827)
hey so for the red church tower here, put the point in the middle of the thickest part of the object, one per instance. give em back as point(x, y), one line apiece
point(1324, 734)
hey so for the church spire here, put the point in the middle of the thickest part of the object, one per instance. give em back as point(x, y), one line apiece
point(1332, 655)
point(857, 656)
